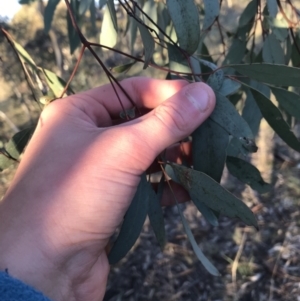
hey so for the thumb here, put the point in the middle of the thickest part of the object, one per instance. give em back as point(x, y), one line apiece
point(173, 120)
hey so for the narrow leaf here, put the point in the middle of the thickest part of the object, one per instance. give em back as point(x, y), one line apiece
point(84, 6)
point(289, 101)
point(247, 173)
point(272, 8)
point(248, 14)
point(56, 83)
point(202, 258)
point(251, 113)
point(148, 43)
point(49, 13)
point(14, 147)
point(272, 51)
point(109, 33)
point(275, 119)
point(185, 17)
point(229, 87)
point(236, 52)
point(216, 79)
point(212, 10)
point(212, 194)
point(209, 149)
point(279, 75)
point(231, 121)
point(74, 39)
point(132, 224)
point(156, 216)
point(122, 68)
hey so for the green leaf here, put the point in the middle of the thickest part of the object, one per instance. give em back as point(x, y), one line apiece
point(150, 9)
point(84, 6)
point(177, 60)
point(148, 43)
point(289, 101)
point(49, 13)
point(272, 51)
point(212, 194)
point(229, 87)
point(212, 10)
point(55, 83)
point(296, 52)
point(272, 8)
point(216, 79)
point(155, 214)
point(209, 149)
point(247, 173)
point(133, 222)
point(248, 14)
point(275, 119)
point(109, 28)
point(207, 213)
point(163, 18)
point(288, 52)
point(122, 68)
point(236, 52)
point(231, 121)
point(14, 147)
point(102, 3)
point(251, 113)
point(74, 39)
point(185, 17)
point(278, 75)
point(202, 258)
point(133, 33)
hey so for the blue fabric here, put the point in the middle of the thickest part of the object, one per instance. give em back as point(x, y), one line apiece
point(12, 289)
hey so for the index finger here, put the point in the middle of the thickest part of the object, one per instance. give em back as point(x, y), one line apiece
point(144, 92)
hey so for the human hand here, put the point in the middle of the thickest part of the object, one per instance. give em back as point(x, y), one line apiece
point(78, 176)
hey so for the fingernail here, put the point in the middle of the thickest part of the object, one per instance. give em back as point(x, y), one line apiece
point(198, 97)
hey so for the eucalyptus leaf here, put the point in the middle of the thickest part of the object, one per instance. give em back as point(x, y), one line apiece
point(209, 149)
point(272, 51)
point(251, 113)
point(155, 214)
point(14, 147)
point(272, 7)
point(215, 80)
point(109, 28)
point(150, 9)
point(275, 119)
point(249, 13)
point(92, 9)
point(236, 52)
point(212, 10)
point(185, 17)
point(202, 258)
point(49, 13)
point(177, 60)
point(231, 121)
point(133, 33)
point(229, 86)
point(148, 43)
point(247, 173)
point(212, 194)
point(74, 39)
point(289, 101)
point(279, 75)
point(133, 222)
point(84, 6)
point(122, 68)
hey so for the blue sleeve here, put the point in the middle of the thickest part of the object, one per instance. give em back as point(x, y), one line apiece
point(12, 289)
